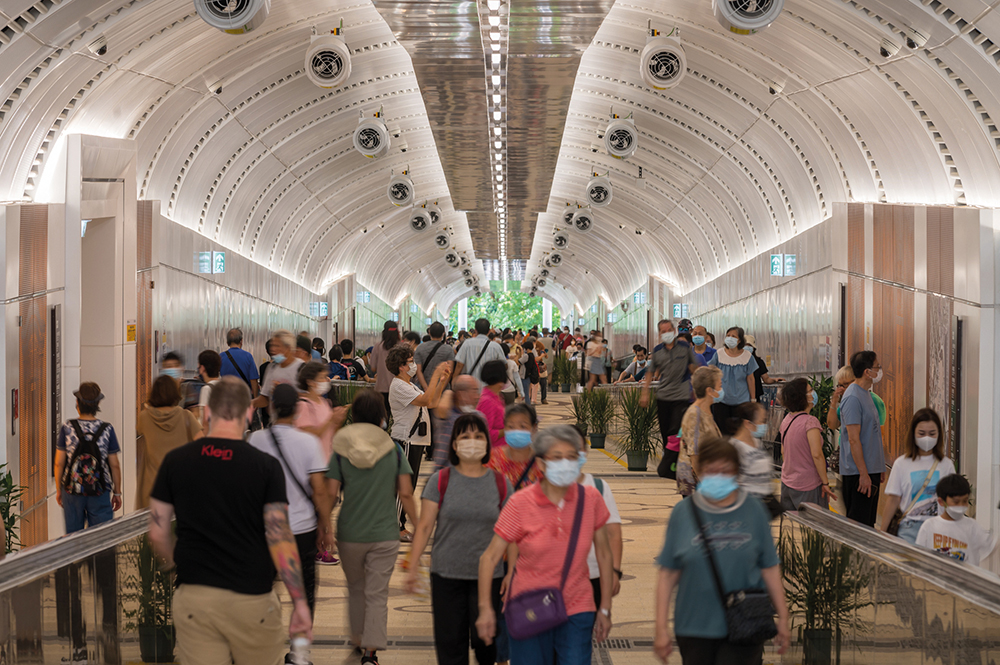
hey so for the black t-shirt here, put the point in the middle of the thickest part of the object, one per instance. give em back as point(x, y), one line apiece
point(758, 373)
point(218, 488)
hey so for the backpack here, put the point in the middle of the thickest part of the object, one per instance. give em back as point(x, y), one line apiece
point(351, 370)
point(191, 392)
point(445, 474)
point(85, 473)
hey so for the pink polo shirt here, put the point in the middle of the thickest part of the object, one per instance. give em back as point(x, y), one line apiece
point(542, 530)
point(492, 406)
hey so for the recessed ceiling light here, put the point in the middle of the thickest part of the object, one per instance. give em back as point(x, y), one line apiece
point(494, 21)
point(494, 5)
point(496, 80)
point(495, 47)
point(497, 115)
point(497, 144)
point(496, 98)
point(495, 36)
point(496, 130)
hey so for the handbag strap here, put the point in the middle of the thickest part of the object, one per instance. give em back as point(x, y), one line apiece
point(708, 550)
point(575, 535)
point(481, 354)
point(524, 474)
point(281, 455)
point(229, 354)
point(416, 423)
point(916, 496)
point(430, 356)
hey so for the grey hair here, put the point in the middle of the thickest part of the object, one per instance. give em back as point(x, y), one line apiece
point(550, 436)
point(284, 337)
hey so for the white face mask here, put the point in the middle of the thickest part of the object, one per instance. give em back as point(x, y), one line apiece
point(668, 337)
point(412, 369)
point(957, 512)
point(466, 408)
point(878, 377)
point(470, 450)
point(926, 443)
point(321, 388)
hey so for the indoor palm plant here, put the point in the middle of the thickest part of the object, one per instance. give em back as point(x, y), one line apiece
point(823, 386)
point(601, 411)
point(581, 410)
point(10, 494)
point(640, 437)
point(147, 591)
point(556, 373)
point(571, 378)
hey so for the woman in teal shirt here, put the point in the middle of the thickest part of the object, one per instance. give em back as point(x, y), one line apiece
point(744, 555)
point(738, 385)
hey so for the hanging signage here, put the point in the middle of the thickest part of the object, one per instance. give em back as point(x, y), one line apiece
point(677, 310)
point(204, 261)
point(681, 310)
point(777, 265)
point(790, 265)
point(218, 263)
point(324, 309)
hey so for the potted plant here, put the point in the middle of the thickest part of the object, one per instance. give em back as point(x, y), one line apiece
point(556, 374)
point(823, 387)
point(572, 375)
point(601, 411)
point(581, 410)
point(149, 593)
point(10, 494)
point(640, 439)
point(822, 583)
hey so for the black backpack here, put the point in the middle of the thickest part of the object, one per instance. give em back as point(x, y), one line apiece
point(86, 474)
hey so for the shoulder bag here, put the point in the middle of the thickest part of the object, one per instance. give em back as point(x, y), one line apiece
point(481, 354)
point(749, 612)
point(430, 357)
point(534, 612)
point(899, 516)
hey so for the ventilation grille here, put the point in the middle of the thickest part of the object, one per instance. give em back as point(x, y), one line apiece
point(327, 65)
point(664, 66)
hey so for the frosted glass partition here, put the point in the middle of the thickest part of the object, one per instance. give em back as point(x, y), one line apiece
point(93, 590)
point(859, 596)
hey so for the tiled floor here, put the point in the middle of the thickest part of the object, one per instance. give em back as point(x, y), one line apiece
point(644, 501)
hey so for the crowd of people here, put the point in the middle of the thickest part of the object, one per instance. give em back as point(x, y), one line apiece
point(251, 461)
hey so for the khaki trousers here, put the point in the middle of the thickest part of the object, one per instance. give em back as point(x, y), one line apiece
point(368, 569)
point(219, 627)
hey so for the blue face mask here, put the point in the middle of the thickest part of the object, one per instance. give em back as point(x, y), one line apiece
point(760, 431)
point(721, 395)
point(517, 438)
point(582, 461)
point(562, 472)
point(174, 372)
point(717, 487)
point(278, 358)
point(698, 340)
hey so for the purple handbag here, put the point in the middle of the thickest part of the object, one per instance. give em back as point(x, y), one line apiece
point(534, 612)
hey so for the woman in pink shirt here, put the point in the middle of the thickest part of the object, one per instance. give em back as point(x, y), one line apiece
point(314, 413)
point(803, 467)
point(491, 404)
point(539, 521)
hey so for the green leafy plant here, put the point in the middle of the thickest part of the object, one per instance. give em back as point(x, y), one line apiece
point(601, 411)
point(10, 495)
point(146, 590)
point(638, 424)
point(572, 373)
point(581, 409)
point(343, 395)
point(824, 387)
point(558, 374)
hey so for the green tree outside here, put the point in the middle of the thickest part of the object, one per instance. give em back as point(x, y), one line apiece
point(505, 309)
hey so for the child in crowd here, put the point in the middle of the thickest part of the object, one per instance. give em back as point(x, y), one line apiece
point(951, 532)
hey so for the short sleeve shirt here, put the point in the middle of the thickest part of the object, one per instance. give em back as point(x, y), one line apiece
point(465, 522)
point(276, 375)
point(404, 412)
point(206, 393)
point(469, 353)
point(963, 540)
point(613, 518)
point(541, 530)
point(742, 546)
point(444, 353)
point(798, 470)
point(304, 457)
point(67, 441)
point(673, 365)
point(908, 476)
point(368, 510)
point(734, 375)
point(514, 471)
point(756, 469)
point(244, 360)
point(857, 408)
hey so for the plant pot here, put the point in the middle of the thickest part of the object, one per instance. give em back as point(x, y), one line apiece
point(597, 440)
point(637, 461)
point(583, 428)
point(817, 646)
point(565, 387)
point(554, 387)
point(156, 644)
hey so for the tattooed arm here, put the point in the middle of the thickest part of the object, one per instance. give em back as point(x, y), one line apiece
point(285, 555)
point(161, 533)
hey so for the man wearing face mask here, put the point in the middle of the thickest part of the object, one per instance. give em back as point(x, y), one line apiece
point(699, 337)
point(674, 362)
point(862, 459)
point(284, 367)
point(636, 371)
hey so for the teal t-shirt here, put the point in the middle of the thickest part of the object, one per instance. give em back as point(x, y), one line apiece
point(742, 546)
point(368, 512)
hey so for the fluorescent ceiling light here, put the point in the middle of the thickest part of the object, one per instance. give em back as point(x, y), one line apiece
point(497, 144)
point(494, 21)
point(497, 115)
point(496, 130)
point(495, 36)
point(499, 177)
point(496, 80)
point(496, 47)
point(494, 5)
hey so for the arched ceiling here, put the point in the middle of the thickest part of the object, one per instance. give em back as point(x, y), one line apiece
point(729, 169)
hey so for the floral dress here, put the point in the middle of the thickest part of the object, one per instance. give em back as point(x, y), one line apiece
point(695, 427)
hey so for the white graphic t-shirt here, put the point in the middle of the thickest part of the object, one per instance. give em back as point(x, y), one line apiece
point(908, 476)
point(963, 540)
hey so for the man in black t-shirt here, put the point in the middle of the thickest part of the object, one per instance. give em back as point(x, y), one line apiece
point(232, 532)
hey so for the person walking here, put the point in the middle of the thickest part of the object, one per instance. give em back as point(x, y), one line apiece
point(161, 427)
point(430, 354)
point(371, 470)
point(718, 537)
point(304, 465)
point(672, 362)
point(477, 350)
point(383, 379)
point(462, 525)
point(595, 352)
point(698, 425)
point(513, 388)
point(209, 365)
point(614, 527)
point(411, 411)
point(552, 523)
point(803, 469)
point(284, 367)
point(516, 459)
point(232, 535)
point(760, 375)
point(461, 399)
point(862, 456)
point(237, 362)
point(542, 362)
point(490, 404)
point(738, 366)
point(756, 465)
point(911, 491)
point(314, 414)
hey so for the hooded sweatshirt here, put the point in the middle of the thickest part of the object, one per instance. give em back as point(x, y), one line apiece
point(367, 463)
point(160, 431)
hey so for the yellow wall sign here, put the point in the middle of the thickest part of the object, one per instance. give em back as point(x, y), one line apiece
point(130, 332)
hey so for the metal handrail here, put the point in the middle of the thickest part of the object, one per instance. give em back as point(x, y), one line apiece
point(35, 562)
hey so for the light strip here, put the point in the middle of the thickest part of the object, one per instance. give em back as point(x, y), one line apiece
point(494, 20)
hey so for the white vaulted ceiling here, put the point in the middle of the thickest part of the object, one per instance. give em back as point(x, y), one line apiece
point(267, 167)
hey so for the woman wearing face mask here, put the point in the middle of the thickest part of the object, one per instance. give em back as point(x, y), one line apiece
point(911, 489)
point(595, 361)
point(464, 502)
point(737, 365)
point(494, 375)
point(737, 533)
point(513, 388)
point(541, 521)
point(410, 408)
point(515, 460)
point(697, 425)
point(314, 413)
point(803, 469)
point(756, 465)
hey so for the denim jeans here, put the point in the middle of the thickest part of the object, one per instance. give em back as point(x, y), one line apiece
point(83, 511)
point(569, 644)
point(527, 390)
point(908, 530)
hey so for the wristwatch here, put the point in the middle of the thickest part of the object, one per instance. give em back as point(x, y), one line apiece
point(606, 612)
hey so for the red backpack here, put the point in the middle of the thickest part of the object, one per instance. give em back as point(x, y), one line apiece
point(445, 474)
